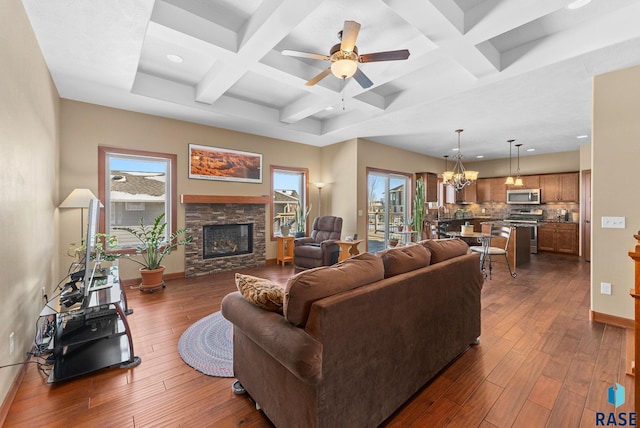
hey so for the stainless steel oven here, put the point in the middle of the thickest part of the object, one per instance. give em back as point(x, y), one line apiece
point(528, 219)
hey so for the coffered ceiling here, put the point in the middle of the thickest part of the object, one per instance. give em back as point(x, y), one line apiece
point(500, 69)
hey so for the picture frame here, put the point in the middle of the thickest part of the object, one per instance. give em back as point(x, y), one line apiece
point(216, 163)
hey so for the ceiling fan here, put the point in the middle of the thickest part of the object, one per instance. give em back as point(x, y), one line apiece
point(344, 57)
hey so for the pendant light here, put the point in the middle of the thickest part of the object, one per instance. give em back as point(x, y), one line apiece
point(509, 181)
point(518, 181)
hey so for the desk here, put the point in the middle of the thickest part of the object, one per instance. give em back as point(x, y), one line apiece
point(348, 249)
point(91, 335)
point(285, 249)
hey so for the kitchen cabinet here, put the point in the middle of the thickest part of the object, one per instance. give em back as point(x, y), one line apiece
point(430, 181)
point(558, 237)
point(498, 189)
point(530, 181)
point(483, 190)
point(468, 194)
point(491, 190)
point(560, 187)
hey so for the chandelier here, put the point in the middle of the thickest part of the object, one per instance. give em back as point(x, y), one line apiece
point(459, 177)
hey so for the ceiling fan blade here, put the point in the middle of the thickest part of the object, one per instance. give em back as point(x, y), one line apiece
point(385, 56)
point(349, 35)
point(319, 77)
point(305, 55)
point(362, 79)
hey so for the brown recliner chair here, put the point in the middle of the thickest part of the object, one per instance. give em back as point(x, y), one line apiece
point(319, 249)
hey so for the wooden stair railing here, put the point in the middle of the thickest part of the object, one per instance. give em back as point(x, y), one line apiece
point(635, 293)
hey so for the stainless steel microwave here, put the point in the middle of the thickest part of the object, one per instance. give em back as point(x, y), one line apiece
point(523, 196)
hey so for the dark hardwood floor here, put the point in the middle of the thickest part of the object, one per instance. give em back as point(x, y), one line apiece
point(541, 362)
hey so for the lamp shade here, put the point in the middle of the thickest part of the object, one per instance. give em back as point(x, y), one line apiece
point(344, 68)
point(78, 198)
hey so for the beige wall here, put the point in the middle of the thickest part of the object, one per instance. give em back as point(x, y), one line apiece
point(339, 198)
point(615, 155)
point(86, 126)
point(529, 165)
point(28, 185)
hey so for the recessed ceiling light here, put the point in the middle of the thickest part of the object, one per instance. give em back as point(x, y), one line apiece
point(480, 156)
point(455, 149)
point(329, 108)
point(531, 150)
point(174, 58)
point(582, 136)
point(577, 4)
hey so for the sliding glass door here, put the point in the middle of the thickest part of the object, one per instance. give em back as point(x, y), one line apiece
point(388, 206)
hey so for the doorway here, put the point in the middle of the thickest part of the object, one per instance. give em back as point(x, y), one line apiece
point(586, 215)
point(387, 208)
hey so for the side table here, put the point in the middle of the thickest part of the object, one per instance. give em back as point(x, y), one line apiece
point(285, 249)
point(348, 249)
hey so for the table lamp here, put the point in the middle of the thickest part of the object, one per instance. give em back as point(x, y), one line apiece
point(78, 198)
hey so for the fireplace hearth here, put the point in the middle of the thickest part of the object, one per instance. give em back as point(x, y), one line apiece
point(223, 240)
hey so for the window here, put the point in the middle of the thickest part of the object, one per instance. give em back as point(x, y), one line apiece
point(289, 190)
point(134, 184)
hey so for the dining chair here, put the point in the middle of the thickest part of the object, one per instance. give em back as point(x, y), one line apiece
point(487, 250)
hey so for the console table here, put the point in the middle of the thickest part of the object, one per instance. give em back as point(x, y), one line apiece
point(92, 334)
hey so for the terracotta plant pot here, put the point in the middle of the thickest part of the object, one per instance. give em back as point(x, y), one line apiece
point(151, 279)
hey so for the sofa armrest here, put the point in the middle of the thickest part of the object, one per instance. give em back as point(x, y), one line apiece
point(291, 346)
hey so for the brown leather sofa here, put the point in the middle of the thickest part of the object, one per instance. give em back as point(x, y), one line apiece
point(359, 338)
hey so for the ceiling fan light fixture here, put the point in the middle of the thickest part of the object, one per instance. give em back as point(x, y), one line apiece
point(344, 68)
point(577, 4)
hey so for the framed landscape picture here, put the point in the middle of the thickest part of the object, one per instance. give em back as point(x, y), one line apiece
point(213, 163)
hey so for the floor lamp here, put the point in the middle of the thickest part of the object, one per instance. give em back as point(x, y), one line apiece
point(79, 198)
point(319, 185)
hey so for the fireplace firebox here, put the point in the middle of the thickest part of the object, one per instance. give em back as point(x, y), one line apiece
point(223, 240)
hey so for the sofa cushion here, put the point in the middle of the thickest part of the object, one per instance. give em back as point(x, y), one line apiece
point(404, 259)
point(444, 249)
point(261, 292)
point(308, 286)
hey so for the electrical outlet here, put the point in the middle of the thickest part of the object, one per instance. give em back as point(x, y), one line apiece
point(613, 222)
point(12, 343)
point(605, 288)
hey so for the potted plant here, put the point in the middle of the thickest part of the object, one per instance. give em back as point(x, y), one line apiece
point(408, 224)
point(301, 220)
point(100, 253)
point(153, 248)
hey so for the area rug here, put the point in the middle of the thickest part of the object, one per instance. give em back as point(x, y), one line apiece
point(207, 346)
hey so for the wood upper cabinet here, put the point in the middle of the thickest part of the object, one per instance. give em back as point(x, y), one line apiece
point(531, 181)
point(491, 190)
point(467, 194)
point(483, 190)
point(558, 238)
point(560, 187)
point(430, 181)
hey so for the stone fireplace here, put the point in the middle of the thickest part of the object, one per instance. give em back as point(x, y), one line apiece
point(235, 236)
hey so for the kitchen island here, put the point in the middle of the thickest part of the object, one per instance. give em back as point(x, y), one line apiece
point(519, 250)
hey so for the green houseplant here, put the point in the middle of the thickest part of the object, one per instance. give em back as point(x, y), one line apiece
point(419, 207)
point(153, 248)
point(301, 220)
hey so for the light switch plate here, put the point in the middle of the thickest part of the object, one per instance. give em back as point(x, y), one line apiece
point(613, 222)
point(605, 288)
